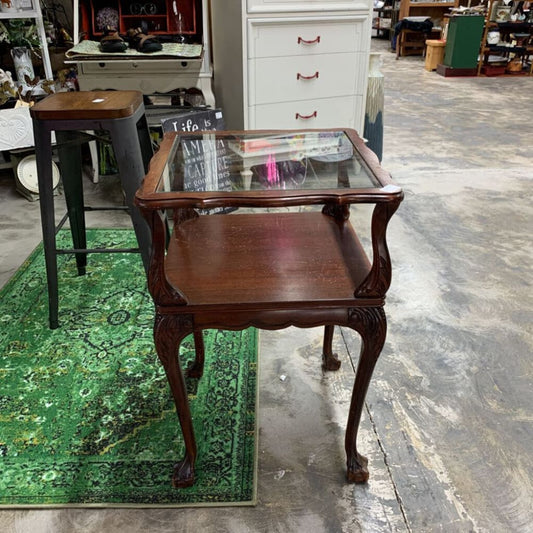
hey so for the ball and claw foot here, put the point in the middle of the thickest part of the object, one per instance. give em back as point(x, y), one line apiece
point(330, 361)
point(183, 475)
point(195, 370)
point(357, 469)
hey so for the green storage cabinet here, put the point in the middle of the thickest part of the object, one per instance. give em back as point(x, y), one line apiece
point(463, 41)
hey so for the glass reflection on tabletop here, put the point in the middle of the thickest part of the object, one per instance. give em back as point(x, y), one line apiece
point(227, 162)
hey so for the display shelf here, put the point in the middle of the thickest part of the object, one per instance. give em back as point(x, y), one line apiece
point(36, 14)
point(412, 36)
point(147, 73)
point(25, 14)
point(434, 10)
point(513, 54)
point(432, 4)
point(384, 19)
point(161, 18)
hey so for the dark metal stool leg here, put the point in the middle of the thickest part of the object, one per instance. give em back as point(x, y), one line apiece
point(43, 152)
point(71, 173)
point(131, 169)
point(80, 111)
point(145, 141)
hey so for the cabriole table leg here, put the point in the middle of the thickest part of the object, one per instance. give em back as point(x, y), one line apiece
point(169, 331)
point(371, 324)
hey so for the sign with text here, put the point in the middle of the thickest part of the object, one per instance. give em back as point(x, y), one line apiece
point(191, 121)
point(205, 161)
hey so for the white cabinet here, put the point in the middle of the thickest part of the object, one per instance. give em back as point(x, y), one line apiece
point(150, 74)
point(291, 64)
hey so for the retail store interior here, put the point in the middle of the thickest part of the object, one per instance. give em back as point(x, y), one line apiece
point(446, 424)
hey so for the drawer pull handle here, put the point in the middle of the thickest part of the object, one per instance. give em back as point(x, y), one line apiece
point(312, 115)
point(314, 41)
point(302, 77)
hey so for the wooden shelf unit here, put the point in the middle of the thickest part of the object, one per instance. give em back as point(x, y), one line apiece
point(434, 10)
point(385, 18)
point(162, 22)
point(413, 42)
point(506, 29)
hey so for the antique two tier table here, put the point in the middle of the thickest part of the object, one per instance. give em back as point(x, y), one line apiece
point(260, 236)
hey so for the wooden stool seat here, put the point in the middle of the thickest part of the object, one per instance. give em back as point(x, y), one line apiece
point(88, 105)
point(434, 53)
point(122, 114)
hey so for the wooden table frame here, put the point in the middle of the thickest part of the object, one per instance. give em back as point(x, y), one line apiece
point(337, 286)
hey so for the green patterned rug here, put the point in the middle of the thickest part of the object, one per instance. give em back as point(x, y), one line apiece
point(86, 415)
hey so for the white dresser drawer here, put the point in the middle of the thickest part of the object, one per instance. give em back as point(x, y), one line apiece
point(321, 113)
point(304, 78)
point(305, 36)
point(148, 66)
point(262, 6)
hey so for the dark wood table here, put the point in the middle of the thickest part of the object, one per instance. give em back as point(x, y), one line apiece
point(255, 265)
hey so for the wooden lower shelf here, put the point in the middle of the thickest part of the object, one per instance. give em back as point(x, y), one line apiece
point(268, 259)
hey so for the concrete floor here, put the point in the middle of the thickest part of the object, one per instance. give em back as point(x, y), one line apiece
point(448, 425)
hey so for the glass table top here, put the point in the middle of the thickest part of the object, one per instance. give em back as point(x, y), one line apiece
point(303, 160)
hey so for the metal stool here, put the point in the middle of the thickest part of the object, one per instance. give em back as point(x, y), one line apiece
point(122, 114)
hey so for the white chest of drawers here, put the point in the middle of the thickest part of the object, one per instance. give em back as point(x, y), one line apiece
point(291, 63)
